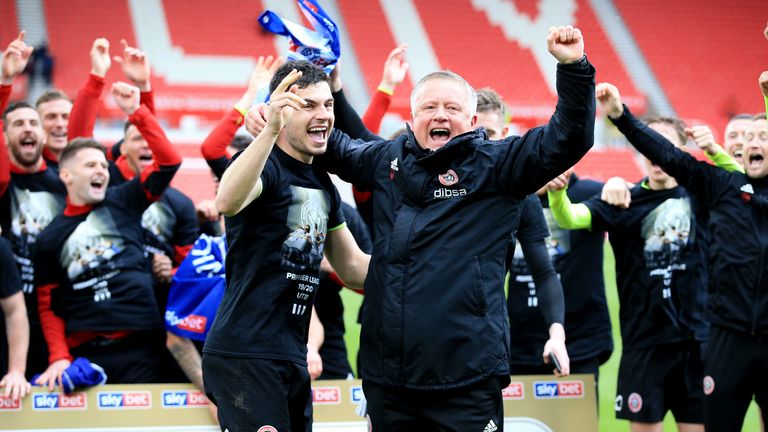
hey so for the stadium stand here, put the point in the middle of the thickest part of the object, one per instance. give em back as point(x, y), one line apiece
point(727, 46)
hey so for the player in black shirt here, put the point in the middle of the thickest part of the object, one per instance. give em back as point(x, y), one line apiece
point(15, 324)
point(95, 293)
point(661, 244)
point(283, 214)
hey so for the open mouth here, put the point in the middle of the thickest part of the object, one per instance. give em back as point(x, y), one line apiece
point(440, 134)
point(98, 183)
point(318, 133)
point(755, 160)
point(28, 143)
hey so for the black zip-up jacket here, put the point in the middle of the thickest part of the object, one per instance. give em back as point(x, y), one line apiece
point(435, 314)
point(738, 251)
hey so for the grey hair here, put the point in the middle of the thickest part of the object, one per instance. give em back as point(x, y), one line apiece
point(446, 75)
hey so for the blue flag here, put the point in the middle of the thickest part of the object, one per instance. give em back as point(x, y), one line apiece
point(196, 289)
point(319, 46)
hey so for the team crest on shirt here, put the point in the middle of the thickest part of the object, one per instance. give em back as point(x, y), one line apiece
point(635, 402)
point(267, 428)
point(449, 178)
point(618, 403)
point(709, 385)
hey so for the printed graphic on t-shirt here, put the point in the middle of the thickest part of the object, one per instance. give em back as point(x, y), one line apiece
point(302, 250)
point(31, 212)
point(157, 220)
point(667, 230)
point(90, 250)
point(559, 241)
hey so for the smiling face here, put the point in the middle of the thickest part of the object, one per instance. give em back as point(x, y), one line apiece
point(25, 137)
point(136, 150)
point(306, 134)
point(55, 117)
point(756, 149)
point(86, 176)
point(441, 108)
point(734, 140)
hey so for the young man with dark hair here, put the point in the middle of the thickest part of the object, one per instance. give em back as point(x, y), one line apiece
point(31, 194)
point(282, 215)
point(660, 242)
point(95, 292)
point(435, 337)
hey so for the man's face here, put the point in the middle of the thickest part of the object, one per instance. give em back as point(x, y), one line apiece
point(25, 136)
point(308, 131)
point(136, 150)
point(734, 138)
point(756, 149)
point(86, 177)
point(493, 124)
point(655, 173)
point(441, 111)
point(55, 117)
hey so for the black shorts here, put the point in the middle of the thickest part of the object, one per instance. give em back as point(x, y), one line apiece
point(735, 370)
point(259, 394)
point(476, 407)
point(134, 359)
point(661, 378)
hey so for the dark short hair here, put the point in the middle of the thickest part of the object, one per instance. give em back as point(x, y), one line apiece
point(760, 116)
point(126, 125)
point(742, 116)
point(11, 108)
point(310, 74)
point(677, 125)
point(73, 148)
point(51, 95)
point(240, 142)
point(488, 101)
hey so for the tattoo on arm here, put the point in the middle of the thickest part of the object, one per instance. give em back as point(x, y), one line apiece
point(189, 361)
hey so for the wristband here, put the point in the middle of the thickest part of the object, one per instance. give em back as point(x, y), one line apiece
point(389, 92)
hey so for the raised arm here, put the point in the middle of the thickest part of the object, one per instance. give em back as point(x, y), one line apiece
point(14, 60)
point(156, 177)
point(241, 183)
point(347, 119)
point(214, 148)
point(567, 215)
point(543, 153)
point(136, 68)
point(395, 68)
point(82, 118)
point(705, 139)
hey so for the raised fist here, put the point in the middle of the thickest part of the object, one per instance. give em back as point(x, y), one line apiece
point(126, 97)
point(609, 99)
point(100, 60)
point(566, 44)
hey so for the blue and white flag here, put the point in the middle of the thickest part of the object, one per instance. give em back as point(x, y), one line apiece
point(196, 289)
point(319, 46)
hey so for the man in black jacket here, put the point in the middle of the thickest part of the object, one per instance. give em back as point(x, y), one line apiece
point(435, 336)
point(735, 362)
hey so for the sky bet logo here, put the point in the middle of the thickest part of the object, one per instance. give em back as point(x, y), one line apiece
point(558, 389)
point(514, 391)
point(326, 395)
point(58, 401)
point(184, 399)
point(125, 400)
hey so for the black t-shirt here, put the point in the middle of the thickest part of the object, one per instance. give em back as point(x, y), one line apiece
point(577, 256)
point(170, 221)
point(330, 308)
point(660, 244)
point(275, 245)
point(103, 283)
point(10, 284)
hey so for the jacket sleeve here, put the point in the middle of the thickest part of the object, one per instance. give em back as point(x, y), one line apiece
point(148, 98)
point(348, 121)
point(376, 110)
point(156, 177)
point(54, 328)
point(354, 161)
point(700, 178)
point(82, 118)
point(529, 162)
point(214, 148)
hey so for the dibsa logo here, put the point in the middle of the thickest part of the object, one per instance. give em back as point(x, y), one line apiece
point(449, 178)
